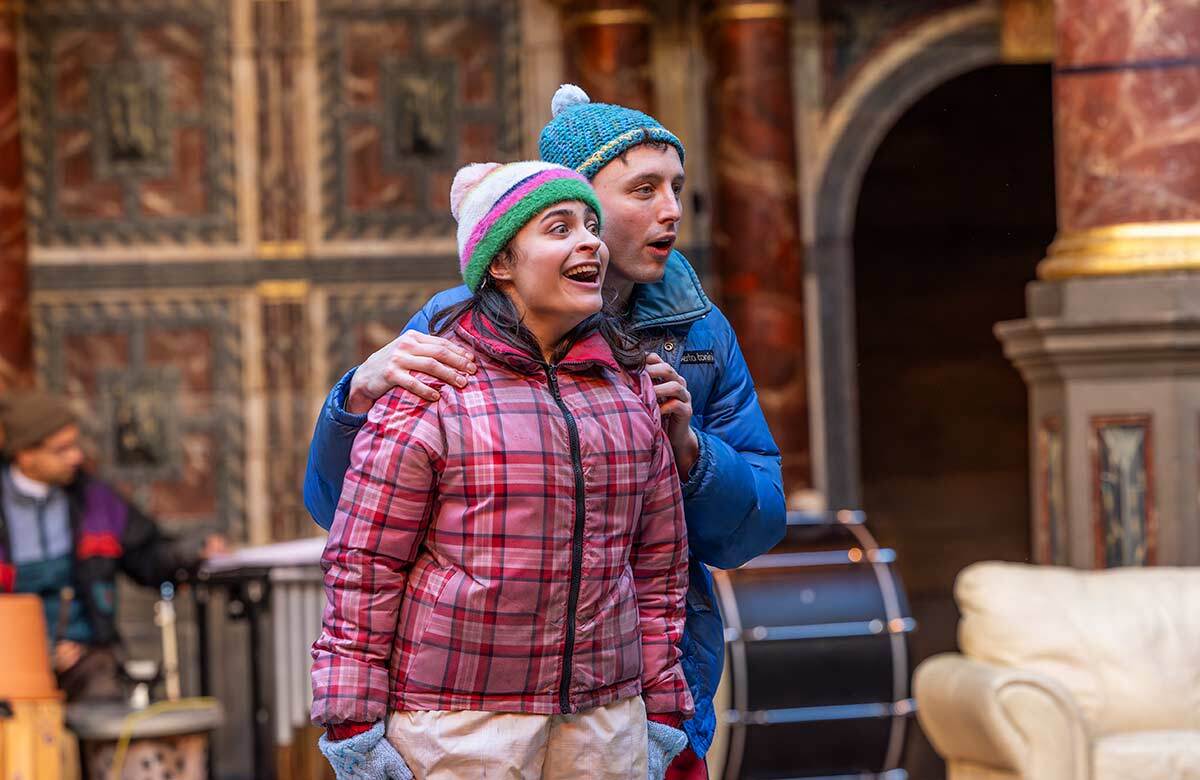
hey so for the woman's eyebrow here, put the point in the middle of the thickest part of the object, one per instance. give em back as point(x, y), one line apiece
point(557, 213)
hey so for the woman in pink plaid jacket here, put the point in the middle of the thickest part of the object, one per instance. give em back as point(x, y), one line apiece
point(507, 568)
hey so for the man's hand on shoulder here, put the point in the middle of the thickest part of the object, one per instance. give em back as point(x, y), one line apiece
point(400, 363)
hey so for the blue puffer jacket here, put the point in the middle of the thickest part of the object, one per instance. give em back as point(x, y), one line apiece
point(733, 499)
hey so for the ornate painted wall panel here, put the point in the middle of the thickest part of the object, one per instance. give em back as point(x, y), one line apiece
point(1123, 482)
point(157, 385)
point(410, 91)
point(127, 122)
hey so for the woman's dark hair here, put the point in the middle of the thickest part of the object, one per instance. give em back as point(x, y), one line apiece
point(492, 306)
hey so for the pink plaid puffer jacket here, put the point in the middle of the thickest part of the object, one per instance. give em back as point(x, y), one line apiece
point(518, 546)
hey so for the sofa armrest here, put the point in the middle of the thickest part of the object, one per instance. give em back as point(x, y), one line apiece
point(1010, 719)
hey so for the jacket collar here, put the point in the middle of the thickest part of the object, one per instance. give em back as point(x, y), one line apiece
point(590, 352)
point(675, 299)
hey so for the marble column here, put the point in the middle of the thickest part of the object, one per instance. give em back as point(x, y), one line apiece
point(1111, 346)
point(1126, 104)
point(607, 51)
point(757, 247)
point(16, 362)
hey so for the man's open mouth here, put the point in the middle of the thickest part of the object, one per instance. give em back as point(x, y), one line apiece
point(663, 244)
point(585, 273)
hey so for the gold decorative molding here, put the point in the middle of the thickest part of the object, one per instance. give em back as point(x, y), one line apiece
point(281, 250)
point(745, 12)
point(1027, 33)
point(1124, 250)
point(609, 17)
point(283, 289)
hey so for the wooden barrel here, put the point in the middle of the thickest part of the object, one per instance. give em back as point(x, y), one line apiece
point(817, 668)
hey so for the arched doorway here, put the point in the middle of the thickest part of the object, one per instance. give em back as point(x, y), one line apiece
point(955, 210)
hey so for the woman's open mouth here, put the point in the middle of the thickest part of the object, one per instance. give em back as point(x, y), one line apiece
point(584, 273)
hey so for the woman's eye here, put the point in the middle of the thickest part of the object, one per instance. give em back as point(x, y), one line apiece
point(593, 228)
point(560, 229)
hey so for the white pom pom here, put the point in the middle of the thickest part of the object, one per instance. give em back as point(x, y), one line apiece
point(465, 180)
point(567, 95)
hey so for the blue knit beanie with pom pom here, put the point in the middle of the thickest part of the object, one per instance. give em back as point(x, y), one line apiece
point(586, 136)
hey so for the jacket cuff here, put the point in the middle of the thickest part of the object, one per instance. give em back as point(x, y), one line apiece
point(674, 720)
point(670, 697)
point(348, 690)
point(700, 468)
point(340, 731)
point(337, 403)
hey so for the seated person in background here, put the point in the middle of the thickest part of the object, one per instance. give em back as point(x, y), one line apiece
point(64, 535)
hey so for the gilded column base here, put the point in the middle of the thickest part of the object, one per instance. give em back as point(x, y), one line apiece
point(1129, 249)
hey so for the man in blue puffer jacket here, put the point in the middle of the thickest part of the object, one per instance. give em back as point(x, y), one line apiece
point(727, 460)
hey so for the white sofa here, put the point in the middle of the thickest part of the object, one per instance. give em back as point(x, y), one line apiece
point(1068, 674)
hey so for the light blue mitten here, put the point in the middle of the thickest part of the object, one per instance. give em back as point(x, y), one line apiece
point(365, 756)
point(663, 743)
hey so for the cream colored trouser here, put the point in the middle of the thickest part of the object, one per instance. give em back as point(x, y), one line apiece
point(605, 743)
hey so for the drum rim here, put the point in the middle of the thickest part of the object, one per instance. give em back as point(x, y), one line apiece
point(889, 591)
point(735, 653)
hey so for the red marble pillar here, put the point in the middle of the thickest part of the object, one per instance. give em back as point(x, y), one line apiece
point(16, 363)
point(607, 48)
point(1126, 105)
point(756, 230)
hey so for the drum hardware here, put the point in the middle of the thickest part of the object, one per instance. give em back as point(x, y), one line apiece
point(822, 558)
point(822, 714)
point(842, 516)
point(821, 630)
point(895, 774)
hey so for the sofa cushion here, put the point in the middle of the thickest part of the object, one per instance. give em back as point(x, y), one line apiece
point(1148, 755)
point(1122, 641)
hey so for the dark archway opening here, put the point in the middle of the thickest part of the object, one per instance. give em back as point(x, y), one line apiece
point(956, 211)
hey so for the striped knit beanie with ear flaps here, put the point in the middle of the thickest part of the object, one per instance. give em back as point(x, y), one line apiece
point(492, 202)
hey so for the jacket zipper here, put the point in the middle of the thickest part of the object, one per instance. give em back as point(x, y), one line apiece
point(43, 536)
point(564, 688)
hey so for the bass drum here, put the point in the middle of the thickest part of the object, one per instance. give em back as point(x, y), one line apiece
point(817, 670)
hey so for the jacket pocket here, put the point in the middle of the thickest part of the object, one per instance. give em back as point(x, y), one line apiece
point(609, 646)
point(418, 615)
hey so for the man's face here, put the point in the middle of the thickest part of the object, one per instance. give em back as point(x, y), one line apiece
point(640, 197)
point(55, 460)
